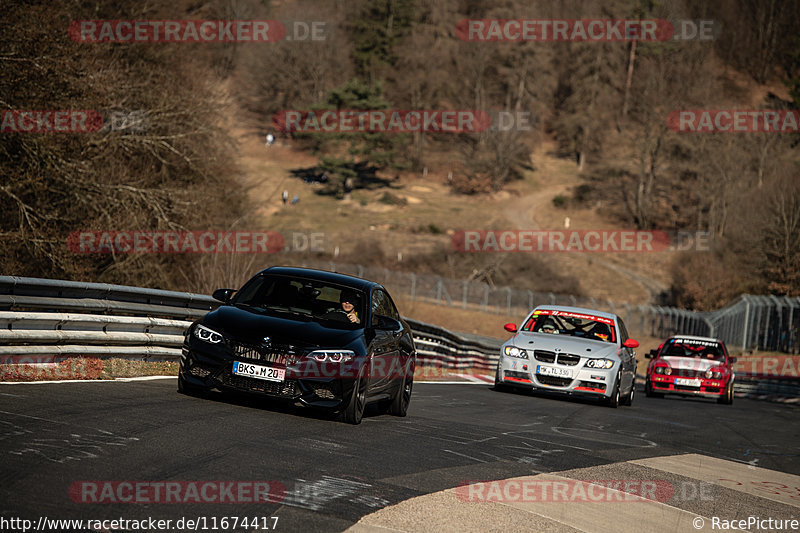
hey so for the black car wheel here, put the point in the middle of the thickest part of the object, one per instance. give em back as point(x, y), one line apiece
point(399, 405)
point(497, 385)
point(613, 401)
point(354, 411)
point(649, 392)
point(727, 398)
point(184, 387)
point(628, 400)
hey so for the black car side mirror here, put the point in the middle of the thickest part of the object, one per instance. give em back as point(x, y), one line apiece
point(651, 354)
point(384, 322)
point(223, 295)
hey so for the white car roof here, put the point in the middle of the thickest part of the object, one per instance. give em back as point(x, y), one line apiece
point(581, 310)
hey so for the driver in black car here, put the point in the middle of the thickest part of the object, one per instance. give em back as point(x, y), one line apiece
point(348, 301)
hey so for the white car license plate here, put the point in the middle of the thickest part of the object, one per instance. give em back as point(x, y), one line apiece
point(259, 372)
point(554, 371)
point(687, 382)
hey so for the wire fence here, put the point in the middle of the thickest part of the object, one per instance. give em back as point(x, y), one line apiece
point(759, 323)
point(748, 323)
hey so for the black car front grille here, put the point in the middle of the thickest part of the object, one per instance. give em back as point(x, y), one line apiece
point(568, 359)
point(546, 356)
point(287, 388)
point(276, 355)
point(556, 382)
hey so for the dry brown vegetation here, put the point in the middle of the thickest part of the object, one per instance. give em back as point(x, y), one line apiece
point(598, 107)
point(176, 171)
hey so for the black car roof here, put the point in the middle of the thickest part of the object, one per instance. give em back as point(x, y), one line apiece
point(323, 275)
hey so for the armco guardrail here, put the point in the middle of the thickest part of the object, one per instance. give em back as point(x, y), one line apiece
point(435, 344)
point(40, 333)
point(64, 318)
point(41, 317)
point(19, 293)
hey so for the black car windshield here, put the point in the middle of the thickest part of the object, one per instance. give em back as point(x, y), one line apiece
point(572, 324)
point(694, 348)
point(304, 299)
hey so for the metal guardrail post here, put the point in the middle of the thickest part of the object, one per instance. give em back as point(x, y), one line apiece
point(791, 340)
point(746, 322)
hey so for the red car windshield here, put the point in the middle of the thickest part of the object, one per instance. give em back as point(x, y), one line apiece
point(693, 348)
point(572, 324)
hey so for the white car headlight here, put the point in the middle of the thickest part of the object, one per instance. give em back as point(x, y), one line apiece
point(209, 335)
point(599, 363)
point(513, 351)
point(334, 356)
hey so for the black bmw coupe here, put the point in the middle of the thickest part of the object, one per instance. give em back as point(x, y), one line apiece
point(317, 338)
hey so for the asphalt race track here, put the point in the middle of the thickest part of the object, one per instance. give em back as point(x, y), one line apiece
point(56, 436)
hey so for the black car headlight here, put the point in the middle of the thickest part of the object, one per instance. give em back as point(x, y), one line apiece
point(208, 335)
point(513, 351)
point(334, 356)
point(599, 363)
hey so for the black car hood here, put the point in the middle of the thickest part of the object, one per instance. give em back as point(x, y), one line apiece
point(251, 327)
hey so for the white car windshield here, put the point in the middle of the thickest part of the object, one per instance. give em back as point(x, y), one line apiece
point(572, 324)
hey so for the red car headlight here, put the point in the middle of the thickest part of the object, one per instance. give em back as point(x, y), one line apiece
point(663, 369)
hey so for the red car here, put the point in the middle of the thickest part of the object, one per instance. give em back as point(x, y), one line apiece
point(691, 366)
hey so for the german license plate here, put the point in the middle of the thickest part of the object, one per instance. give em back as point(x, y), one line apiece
point(258, 371)
point(687, 382)
point(554, 371)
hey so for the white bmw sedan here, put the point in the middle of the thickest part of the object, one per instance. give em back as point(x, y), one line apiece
point(572, 351)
